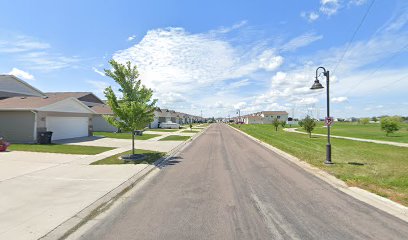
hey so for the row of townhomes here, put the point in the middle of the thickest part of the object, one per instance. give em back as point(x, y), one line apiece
point(26, 111)
point(264, 117)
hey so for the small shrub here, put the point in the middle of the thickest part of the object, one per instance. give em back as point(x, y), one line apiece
point(309, 124)
point(390, 124)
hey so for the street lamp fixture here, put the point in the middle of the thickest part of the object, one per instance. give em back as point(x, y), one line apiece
point(318, 85)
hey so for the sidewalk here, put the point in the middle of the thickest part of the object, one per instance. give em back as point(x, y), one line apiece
point(351, 138)
point(42, 190)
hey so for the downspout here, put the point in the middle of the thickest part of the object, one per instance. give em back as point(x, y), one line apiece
point(35, 125)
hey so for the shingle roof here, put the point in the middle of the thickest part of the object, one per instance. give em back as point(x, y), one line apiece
point(102, 109)
point(29, 102)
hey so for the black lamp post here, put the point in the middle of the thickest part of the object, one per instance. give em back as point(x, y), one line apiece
point(318, 85)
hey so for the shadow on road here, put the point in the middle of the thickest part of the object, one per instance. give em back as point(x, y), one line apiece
point(171, 161)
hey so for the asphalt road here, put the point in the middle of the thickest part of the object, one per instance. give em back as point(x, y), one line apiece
point(225, 186)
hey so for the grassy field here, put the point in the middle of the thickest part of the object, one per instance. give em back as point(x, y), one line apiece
point(151, 158)
point(58, 148)
point(175, 138)
point(368, 131)
point(382, 169)
point(162, 130)
point(124, 135)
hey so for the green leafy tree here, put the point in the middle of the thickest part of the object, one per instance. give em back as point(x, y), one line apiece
point(364, 121)
point(300, 123)
point(191, 127)
point(309, 124)
point(283, 123)
point(374, 119)
point(276, 123)
point(135, 110)
point(390, 124)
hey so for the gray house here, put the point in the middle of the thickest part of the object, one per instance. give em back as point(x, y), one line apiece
point(21, 118)
point(25, 111)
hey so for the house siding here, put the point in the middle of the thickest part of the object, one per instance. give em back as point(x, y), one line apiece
point(17, 126)
point(101, 125)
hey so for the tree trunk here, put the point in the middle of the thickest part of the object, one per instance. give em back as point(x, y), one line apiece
point(133, 142)
point(310, 134)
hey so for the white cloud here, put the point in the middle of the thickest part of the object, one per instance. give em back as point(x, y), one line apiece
point(240, 105)
point(98, 72)
point(357, 2)
point(22, 44)
point(310, 16)
point(21, 74)
point(329, 7)
point(171, 98)
point(238, 84)
point(301, 41)
point(99, 86)
point(131, 38)
point(34, 54)
point(173, 60)
point(339, 99)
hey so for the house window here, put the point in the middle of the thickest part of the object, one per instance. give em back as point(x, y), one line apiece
point(278, 117)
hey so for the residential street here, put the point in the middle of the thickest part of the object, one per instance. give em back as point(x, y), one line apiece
point(225, 186)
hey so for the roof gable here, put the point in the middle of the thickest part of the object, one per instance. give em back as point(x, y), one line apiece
point(67, 105)
point(11, 86)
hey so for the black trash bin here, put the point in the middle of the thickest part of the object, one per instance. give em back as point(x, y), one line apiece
point(138, 132)
point(44, 137)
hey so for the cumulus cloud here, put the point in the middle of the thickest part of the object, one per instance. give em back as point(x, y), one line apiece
point(174, 60)
point(21, 74)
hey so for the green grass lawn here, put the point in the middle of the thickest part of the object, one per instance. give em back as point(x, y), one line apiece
point(124, 135)
point(368, 131)
point(162, 130)
point(151, 158)
point(59, 148)
point(175, 138)
point(384, 168)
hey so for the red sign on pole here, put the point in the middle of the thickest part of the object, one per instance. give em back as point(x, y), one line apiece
point(328, 121)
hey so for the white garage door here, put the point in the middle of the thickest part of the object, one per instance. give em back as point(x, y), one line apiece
point(67, 127)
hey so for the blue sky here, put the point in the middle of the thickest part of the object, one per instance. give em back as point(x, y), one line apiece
point(218, 56)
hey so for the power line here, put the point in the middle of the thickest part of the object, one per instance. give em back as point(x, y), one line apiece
point(388, 60)
point(353, 36)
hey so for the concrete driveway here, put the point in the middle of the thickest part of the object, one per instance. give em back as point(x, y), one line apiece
point(42, 190)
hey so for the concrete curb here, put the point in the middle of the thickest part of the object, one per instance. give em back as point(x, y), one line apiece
point(66, 228)
point(362, 195)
